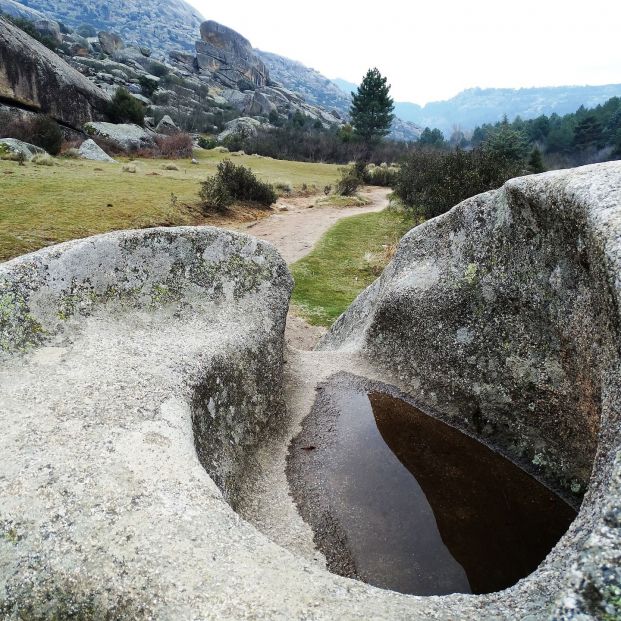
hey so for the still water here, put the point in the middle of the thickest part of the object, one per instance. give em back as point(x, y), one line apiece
point(427, 510)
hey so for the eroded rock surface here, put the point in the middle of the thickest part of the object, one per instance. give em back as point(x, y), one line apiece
point(142, 389)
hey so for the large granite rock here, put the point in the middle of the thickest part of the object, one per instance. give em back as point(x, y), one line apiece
point(230, 57)
point(148, 359)
point(502, 316)
point(90, 150)
point(141, 378)
point(34, 77)
point(166, 126)
point(125, 136)
point(14, 147)
point(244, 125)
point(110, 42)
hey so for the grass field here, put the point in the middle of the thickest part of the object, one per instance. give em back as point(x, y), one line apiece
point(347, 259)
point(43, 205)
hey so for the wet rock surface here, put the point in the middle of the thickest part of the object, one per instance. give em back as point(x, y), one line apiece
point(402, 501)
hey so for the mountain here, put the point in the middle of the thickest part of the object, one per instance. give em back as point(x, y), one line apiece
point(162, 25)
point(476, 106)
point(169, 29)
point(312, 85)
point(345, 86)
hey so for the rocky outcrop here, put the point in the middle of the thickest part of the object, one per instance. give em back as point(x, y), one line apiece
point(125, 136)
point(33, 77)
point(90, 150)
point(159, 24)
point(143, 379)
point(110, 42)
point(230, 57)
point(502, 317)
point(17, 9)
point(166, 126)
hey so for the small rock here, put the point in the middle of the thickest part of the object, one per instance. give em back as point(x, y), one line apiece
point(90, 150)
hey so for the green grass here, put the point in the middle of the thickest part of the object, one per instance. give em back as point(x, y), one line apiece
point(334, 200)
point(347, 259)
point(43, 205)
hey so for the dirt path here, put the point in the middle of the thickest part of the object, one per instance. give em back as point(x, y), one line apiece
point(295, 231)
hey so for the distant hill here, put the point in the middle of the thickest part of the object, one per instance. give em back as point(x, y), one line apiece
point(476, 106)
point(345, 86)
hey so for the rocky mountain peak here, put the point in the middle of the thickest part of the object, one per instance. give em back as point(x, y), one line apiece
point(223, 51)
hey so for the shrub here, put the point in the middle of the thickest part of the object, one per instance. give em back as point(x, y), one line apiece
point(43, 160)
point(125, 109)
point(285, 188)
point(432, 182)
point(384, 176)
point(207, 143)
point(147, 85)
point(30, 29)
point(69, 148)
point(214, 194)
point(158, 69)
point(349, 181)
point(86, 31)
point(176, 146)
point(235, 183)
point(42, 131)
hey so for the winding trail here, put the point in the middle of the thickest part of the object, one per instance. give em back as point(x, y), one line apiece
point(295, 231)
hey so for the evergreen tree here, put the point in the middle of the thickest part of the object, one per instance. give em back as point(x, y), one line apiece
point(372, 108)
point(431, 138)
point(588, 133)
point(535, 161)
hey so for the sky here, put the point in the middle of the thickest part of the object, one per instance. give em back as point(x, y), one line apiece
point(432, 49)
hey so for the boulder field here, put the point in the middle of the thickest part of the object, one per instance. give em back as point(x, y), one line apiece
point(142, 372)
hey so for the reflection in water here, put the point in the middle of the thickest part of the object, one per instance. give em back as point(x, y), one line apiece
point(428, 510)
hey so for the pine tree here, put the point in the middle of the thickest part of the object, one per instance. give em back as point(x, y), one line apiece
point(372, 108)
point(535, 161)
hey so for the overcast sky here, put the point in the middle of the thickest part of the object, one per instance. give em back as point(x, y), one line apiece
point(432, 49)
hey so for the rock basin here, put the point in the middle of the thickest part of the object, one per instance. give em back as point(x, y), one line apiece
point(143, 389)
